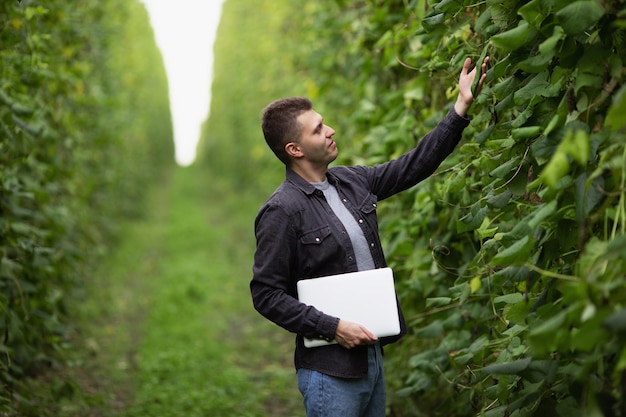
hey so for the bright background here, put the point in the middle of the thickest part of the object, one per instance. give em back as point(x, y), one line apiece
point(185, 32)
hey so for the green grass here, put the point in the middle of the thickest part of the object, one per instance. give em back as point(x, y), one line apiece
point(168, 326)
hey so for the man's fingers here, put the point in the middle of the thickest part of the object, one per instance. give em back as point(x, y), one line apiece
point(371, 336)
point(350, 335)
point(466, 65)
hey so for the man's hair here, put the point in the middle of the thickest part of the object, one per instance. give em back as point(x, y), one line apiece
point(280, 125)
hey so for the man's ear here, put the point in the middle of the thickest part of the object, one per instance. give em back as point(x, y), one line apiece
point(293, 150)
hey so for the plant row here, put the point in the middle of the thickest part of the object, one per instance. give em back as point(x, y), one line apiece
point(511, 260)
point(84, 129)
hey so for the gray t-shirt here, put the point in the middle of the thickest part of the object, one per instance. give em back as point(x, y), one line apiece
point(364, 258)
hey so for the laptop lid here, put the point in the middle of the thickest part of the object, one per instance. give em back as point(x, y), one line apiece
point(364, 297)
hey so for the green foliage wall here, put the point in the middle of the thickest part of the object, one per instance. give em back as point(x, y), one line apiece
point(510, 262)
point(84, 128)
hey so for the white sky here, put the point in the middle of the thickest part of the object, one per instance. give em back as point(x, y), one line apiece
point(185, 32)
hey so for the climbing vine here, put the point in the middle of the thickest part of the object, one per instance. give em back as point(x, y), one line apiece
point(510, 261)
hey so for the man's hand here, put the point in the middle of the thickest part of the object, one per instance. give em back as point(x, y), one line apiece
point(351, 334)
point(466, 80)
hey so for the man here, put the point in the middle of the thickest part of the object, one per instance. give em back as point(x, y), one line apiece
point(322, 221)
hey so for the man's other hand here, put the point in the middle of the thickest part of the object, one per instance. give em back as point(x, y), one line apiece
point(351, 334)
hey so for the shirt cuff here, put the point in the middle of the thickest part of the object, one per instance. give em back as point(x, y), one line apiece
point(327, 327)
point(452, 113)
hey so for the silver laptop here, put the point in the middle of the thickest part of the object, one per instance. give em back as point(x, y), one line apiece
point(364, 297)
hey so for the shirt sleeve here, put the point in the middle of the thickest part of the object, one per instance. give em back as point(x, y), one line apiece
point(409, 169)
point(273, 285)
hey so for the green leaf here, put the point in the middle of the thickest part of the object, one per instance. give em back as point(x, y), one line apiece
point(534, 12)
point(438, 301)
point(513, 273)
point(535, 64)
point(473, 219)
point(592, 257)
point(548, 47)
point(483, 19)
point(542, 85)
point(616, 321)
point(430, 23)
point(580, 16)
point(588, 193)
point(542, 213)
point(589, 336)
point(504, 169)
point(484, 231)
point(549, 325)
point(430, 331)
point(588, 72)
point(416, 93)
point(505, 87)
point(515, 38)
point(511, 368)
point(500, 200)
point(615, 119)
point(515, 330)
point(446, 5)
point(579, 147)
point(517, 253)
point(517, 313)
point(568, 407)
point(31, 12)
point(522, 229)
point(555, 170)
point(484, 135)
point(575, 144)
point(552, 125)
point(512, 298)
point(384, 40)
point(526, 132)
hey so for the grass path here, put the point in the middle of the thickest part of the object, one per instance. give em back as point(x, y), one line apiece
point(169, 327)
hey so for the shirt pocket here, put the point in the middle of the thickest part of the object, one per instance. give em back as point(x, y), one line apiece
point(369, 205)
point(316, 236)
point(319, 250)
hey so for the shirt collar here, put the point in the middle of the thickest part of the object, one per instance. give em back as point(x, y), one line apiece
point(303, 184)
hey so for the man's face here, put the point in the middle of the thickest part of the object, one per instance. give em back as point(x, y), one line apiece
point(316, 140)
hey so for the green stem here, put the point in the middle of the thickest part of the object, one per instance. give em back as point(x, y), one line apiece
point(571, 278)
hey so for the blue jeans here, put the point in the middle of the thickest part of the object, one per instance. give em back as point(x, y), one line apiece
point(327, 396)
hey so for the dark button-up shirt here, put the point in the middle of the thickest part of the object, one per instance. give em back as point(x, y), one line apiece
point(299, 237)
